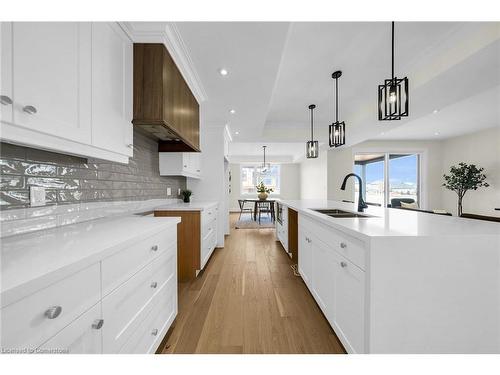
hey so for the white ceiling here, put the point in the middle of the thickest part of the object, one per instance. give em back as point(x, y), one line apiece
point(277, 69)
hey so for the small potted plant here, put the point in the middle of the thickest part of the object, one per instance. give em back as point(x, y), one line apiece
point(463, 178)
point(186, 195)
point(263, 191)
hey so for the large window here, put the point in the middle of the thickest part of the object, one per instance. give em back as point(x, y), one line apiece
point(387, 176)
point(251, 176)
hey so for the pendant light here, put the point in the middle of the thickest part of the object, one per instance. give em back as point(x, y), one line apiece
point(393, 95)
point(312, 148)
point(265, 167)
point(337, 128)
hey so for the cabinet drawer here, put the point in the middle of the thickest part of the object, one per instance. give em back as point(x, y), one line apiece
point(350, 247)
point(124, 308)
point(159, 320)
point(164, 268)
point(80, 337)
point(26, 324)
point(119, 267)
point(208, 214)
point(209, 227)
point(208, 246)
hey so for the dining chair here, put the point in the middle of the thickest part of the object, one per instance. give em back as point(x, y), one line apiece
point(242, 202)
point(264, 207)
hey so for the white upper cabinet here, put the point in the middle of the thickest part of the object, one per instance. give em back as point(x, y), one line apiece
point(67, 87)
point(50, 76)
point(111, 88)
point(186, 164)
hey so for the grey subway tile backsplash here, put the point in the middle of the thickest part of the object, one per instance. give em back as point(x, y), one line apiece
point(70, 179)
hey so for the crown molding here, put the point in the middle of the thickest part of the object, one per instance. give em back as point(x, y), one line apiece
point(168, 34)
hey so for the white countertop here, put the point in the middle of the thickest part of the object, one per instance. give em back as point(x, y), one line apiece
point(181, 206)
point(32, 260)
point(389, 222)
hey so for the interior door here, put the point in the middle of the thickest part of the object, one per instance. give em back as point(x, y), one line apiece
point(111, 88)
point(51, 78)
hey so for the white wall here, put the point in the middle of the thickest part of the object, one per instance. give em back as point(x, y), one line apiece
point(314, 177)
point(211, 187)
point(483, 149)
point(289, 188)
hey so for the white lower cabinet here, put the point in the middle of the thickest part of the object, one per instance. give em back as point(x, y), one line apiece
point(336, 282)
point(348, 307)
point(83, 336)
point(208, 234)
point(123, 303)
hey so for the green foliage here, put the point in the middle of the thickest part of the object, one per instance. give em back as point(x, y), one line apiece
point(186, 193)
point(464, 177)
point(261, 188)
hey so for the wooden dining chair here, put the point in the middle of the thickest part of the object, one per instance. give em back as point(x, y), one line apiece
point(242, 202)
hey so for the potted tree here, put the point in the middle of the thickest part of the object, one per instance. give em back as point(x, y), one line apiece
point(463, 178)
point(263, 191)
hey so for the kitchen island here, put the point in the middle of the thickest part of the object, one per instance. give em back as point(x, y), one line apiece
point(397, 281)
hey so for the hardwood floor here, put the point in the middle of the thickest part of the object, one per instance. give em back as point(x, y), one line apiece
point(248, 301)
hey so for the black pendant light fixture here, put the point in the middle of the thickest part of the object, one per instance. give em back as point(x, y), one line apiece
point(393, 95)
point(265, 167)
point(337, 128)
point(312, 147)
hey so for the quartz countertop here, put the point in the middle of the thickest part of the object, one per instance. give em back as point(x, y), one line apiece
point(389, 222)
point(31, 261)
point(181, 206)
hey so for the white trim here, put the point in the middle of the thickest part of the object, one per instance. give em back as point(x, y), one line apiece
point(168, 34)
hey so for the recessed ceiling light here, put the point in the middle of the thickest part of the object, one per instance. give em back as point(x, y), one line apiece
point(382, 133)
point(236, 133)
point(436, 133)
point(232, 111)
point(223, 72)
point(435, 111)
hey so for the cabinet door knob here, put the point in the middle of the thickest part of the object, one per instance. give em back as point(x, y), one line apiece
point(53, 312)
point(97, 323)
point(29, 109)
point(343, 264)
point(154, 248)
point(154, 332)
point(5, 100)
point(154, 284)
point(343, 245)
point(130, 145)
point(185, 166)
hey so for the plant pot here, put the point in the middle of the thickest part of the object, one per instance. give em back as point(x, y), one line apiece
point(262, 196)
point(186, 199)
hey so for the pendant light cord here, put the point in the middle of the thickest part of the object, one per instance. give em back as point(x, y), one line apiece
point(392, 50)
point(336, 100)
point(312, 134)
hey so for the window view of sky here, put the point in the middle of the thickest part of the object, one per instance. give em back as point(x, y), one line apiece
point(403, 178)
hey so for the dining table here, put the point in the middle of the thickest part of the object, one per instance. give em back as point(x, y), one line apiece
point(256, 200)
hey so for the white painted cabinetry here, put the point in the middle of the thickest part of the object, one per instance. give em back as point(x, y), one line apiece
point(123, 303)
point(67, 87)
point(186, 164)
point(208, 233)
point(329, 263)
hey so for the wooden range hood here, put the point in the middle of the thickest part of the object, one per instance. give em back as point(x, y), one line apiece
point(164, 106)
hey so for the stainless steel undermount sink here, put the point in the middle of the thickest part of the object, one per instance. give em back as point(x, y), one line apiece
point(341, 213)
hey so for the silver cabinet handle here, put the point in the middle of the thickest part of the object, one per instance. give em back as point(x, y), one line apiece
point(343, 264)
point(130, 145)
point(154, 284)
point(5, 100)
point(197, 170)
point(154, 248)
point(343, 245)
point(185, 166)
point(29, 109)
point(53, 312)
point(154, 332)
point(97, 323)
